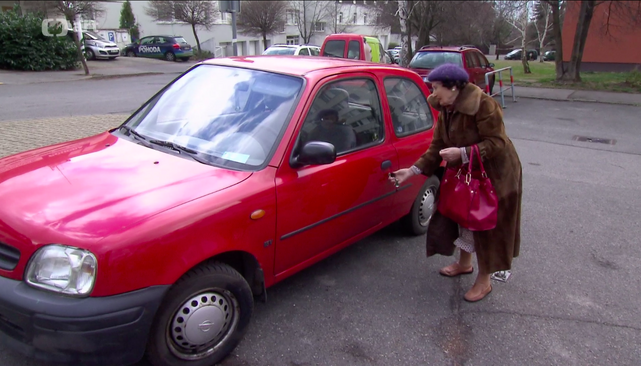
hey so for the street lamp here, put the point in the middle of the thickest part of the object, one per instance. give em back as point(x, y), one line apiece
point(233, 7)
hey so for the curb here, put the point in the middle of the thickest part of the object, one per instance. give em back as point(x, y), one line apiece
point(100, 77)
point(580, 100)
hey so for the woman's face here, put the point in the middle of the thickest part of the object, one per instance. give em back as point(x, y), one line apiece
point(444, 95)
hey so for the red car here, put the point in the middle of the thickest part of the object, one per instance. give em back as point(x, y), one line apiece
point(427, 58)
point(157, 237)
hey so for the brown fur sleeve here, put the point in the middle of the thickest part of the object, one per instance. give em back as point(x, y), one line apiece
point(431, 159)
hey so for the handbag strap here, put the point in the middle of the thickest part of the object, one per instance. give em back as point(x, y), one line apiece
point(478, 154)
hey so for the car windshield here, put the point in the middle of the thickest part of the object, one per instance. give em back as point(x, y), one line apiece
point(94, 36)
point(180, 40)
point(430, 60)
point(224, 116)
point(334, 49)
point(512, 53)
point(280, 51)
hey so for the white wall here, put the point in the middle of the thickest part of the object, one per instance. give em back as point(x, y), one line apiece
point(221, 33)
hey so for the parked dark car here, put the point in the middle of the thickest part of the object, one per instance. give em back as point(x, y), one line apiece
point(516, 55)
point(472, 60)
point(549, 56)
point(170, 48)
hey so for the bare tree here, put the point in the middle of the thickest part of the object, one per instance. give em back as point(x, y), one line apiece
point(501, 29)
point(519, 19)
point(72, 10)
point(197, 13)
point(262, 18)
point(427, 15)
point(308, 16)
point(543, 24)
point(403, 17)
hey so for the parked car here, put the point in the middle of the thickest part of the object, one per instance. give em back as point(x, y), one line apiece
point(156, 237)
point(549, 56)
point(516, 55)
point(294, 50)
point(427, 58)
point(356, 47)
point(171, 48)
point(96, 47)
point(395, 54)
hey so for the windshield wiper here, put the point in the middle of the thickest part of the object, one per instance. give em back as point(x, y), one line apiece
point(181, 149)
point(137, 136)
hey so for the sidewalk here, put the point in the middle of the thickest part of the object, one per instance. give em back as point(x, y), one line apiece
point(120, 67)
point(574, 95)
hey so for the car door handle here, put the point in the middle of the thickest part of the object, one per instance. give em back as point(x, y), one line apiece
point(386, 164)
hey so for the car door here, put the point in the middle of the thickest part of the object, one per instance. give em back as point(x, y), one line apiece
point(146, 47)
point(413, 127)
point(474, 69)
point(322, 208)
point(485, 68)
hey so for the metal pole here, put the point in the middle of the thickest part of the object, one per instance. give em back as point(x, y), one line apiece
point(233, 32)
point(501, 86)
point(512, 82)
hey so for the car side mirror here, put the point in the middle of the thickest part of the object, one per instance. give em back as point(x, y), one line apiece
point(491, 64)
point(315, 153)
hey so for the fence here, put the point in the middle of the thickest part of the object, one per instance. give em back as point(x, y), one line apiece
point(501, 88)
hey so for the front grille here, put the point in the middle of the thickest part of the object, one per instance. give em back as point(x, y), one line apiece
point(9, 257)
point(11, 329)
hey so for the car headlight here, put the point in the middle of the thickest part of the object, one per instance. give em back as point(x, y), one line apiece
point(63, 269)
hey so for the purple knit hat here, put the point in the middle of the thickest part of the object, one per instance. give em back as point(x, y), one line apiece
point(448, 72)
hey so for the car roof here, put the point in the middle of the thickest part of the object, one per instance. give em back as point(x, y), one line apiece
point(447, 48)
point(294, 65)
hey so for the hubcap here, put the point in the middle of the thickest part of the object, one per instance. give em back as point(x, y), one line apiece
point(428, 204)
point(202, 323)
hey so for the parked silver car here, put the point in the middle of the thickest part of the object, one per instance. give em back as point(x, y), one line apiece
point(98, 47)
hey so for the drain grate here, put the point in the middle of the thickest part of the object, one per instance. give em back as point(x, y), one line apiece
point(598, 140)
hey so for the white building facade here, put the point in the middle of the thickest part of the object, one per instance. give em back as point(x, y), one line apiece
point(321, 18)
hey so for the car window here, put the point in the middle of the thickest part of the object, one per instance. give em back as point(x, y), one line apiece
point(334, 49)
point(280, 51)
point(430, 59)
point(303, 52)
point(161, 40)
point(483, 61)
point(180, 40)
point(147, 40)
point(354, 51)
point(315, 51)
point(472, 61)
point(408, 107)
point(230, 117)
point(346, 114)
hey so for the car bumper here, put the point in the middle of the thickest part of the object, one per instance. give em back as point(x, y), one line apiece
point(85, 331)
point(105, 52)
point(189, 53)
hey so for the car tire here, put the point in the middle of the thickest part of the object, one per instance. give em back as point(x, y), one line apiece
point(213, 295)
point(89, 54)
point(417, 220)
point(131, 54)
point(169, 56)
point(492, 85)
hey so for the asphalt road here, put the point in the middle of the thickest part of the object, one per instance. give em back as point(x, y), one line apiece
point(81, 97)
point(573, 296)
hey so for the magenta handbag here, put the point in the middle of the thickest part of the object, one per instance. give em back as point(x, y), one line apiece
point(467, 197)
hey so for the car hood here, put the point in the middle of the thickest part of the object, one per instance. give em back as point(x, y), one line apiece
point(421, 72)
point(87, 189)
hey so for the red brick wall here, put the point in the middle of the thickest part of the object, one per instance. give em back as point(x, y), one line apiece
point(623, 45)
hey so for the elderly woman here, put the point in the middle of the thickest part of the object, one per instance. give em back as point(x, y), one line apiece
point(470, 117)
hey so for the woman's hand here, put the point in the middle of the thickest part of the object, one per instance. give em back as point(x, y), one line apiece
point(451, 154)
point(400, 176)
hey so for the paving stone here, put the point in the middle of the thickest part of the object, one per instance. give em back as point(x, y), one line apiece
point(18, 136)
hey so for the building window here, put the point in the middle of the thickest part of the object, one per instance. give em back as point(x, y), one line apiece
point(378, 19)
point(280, 27)
point(319, 27)
point(340, 18)
point(293, 40)
point(365, 18)
point(223, 16)
point(354, 20)
point(167, 12)
point(291, 17)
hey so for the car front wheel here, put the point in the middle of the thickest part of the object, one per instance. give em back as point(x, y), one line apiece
point(203, 318)
point(131, 54)
point(418, 219)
